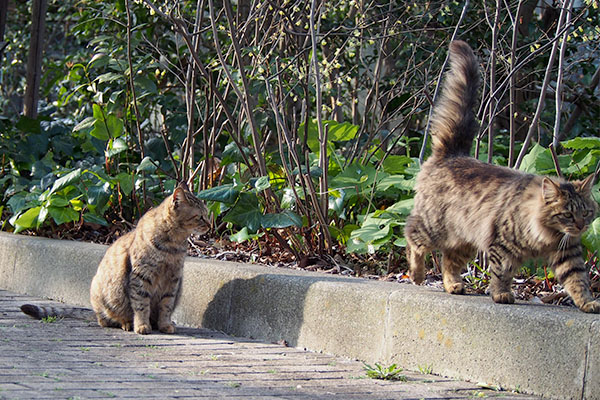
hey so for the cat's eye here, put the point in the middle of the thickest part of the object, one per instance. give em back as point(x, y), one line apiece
point(567, 215)
point(587, 213)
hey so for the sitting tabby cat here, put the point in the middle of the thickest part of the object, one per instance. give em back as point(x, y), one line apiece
point(463, 205)
point(138, 281)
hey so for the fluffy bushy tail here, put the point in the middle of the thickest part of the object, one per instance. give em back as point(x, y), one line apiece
point(40, 312)
point(453, 124)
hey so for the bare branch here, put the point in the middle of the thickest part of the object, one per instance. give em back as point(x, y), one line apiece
point(534, 122)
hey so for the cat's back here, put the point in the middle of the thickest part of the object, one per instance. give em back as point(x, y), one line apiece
point(468, 181)
point(468, 172)
point(118, 250)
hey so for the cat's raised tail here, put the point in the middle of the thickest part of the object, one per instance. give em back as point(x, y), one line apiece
point(453, 123)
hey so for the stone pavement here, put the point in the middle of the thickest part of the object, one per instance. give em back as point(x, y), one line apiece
point(76, 359)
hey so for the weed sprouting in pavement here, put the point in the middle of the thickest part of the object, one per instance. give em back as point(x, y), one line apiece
point(426, 369)
point(378, 371)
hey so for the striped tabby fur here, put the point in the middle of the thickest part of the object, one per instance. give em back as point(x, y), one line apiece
point(138, 281)
point(463, 205)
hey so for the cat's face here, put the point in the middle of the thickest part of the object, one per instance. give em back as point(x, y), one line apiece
point(569, 207)
point(190, 212)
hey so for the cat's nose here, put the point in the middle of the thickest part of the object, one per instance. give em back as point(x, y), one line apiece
point(580, 224)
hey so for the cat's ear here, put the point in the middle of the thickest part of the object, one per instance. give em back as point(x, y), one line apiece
point(178, 196)
point(585, 186)
point(550, 190)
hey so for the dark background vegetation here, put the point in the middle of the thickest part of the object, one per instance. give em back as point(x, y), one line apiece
point(301, 123)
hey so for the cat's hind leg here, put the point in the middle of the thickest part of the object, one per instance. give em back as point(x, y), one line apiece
point(418, 245)
point(502, 272)
point(107, 322)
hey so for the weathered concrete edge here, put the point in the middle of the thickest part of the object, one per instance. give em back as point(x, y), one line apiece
point(467, 337)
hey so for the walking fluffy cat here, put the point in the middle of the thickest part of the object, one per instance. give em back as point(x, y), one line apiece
point(138, 281)
point(463, 205)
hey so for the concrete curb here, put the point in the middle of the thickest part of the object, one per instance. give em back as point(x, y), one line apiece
point(547, 350)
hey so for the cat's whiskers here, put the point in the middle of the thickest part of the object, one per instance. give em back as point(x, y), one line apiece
point(564, 242)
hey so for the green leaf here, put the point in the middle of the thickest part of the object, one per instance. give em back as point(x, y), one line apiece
point(18, 202)
point(146, 165)
point(400, 242)
point(85, 125)
point(245, 212)
point(581, 166)
point(98, 196)
point(97, 112)
point(232, 154)
point(225, 194)
point(281, 220)
point(313, 135)
point(591, 237)
point(529, 161)
point(108, 77)
point(372, 229)
point(356, 175)
point(125, 182)
point(58, 201)
point(545, 165)
point(95, 219)
point(116, 146)
point(244, 235)
point(66, 180)
point(114, 125)
point(41, 216)
point(314, 171)
point(100, 132)
point(396, 181)
point(402, 207)
point(26, 124)
point(396, 164)
point(98, 60)
point(62, 215)
point(582, 143)
point(146, 83)
point(27, 220)
point(340, 132)
point(262, 183)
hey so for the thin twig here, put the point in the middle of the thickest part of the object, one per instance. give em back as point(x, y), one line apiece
point(559, 79)
point(323, 163)
point(512, 86)
point(538, 112)
point(493, 80)
point(555, 161)
point(140, 134)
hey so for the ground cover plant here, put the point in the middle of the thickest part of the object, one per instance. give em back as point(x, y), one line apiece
point(301, 123)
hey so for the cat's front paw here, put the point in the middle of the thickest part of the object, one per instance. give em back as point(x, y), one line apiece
point(503, 298)
point(417, 276)
point(454, 287)
point(143, 329)
point(591, 307)
point(170, 328)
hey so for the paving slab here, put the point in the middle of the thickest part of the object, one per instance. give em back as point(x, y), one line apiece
point(77, 359)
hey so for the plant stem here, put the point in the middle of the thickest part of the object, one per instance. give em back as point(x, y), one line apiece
point(538, 112)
